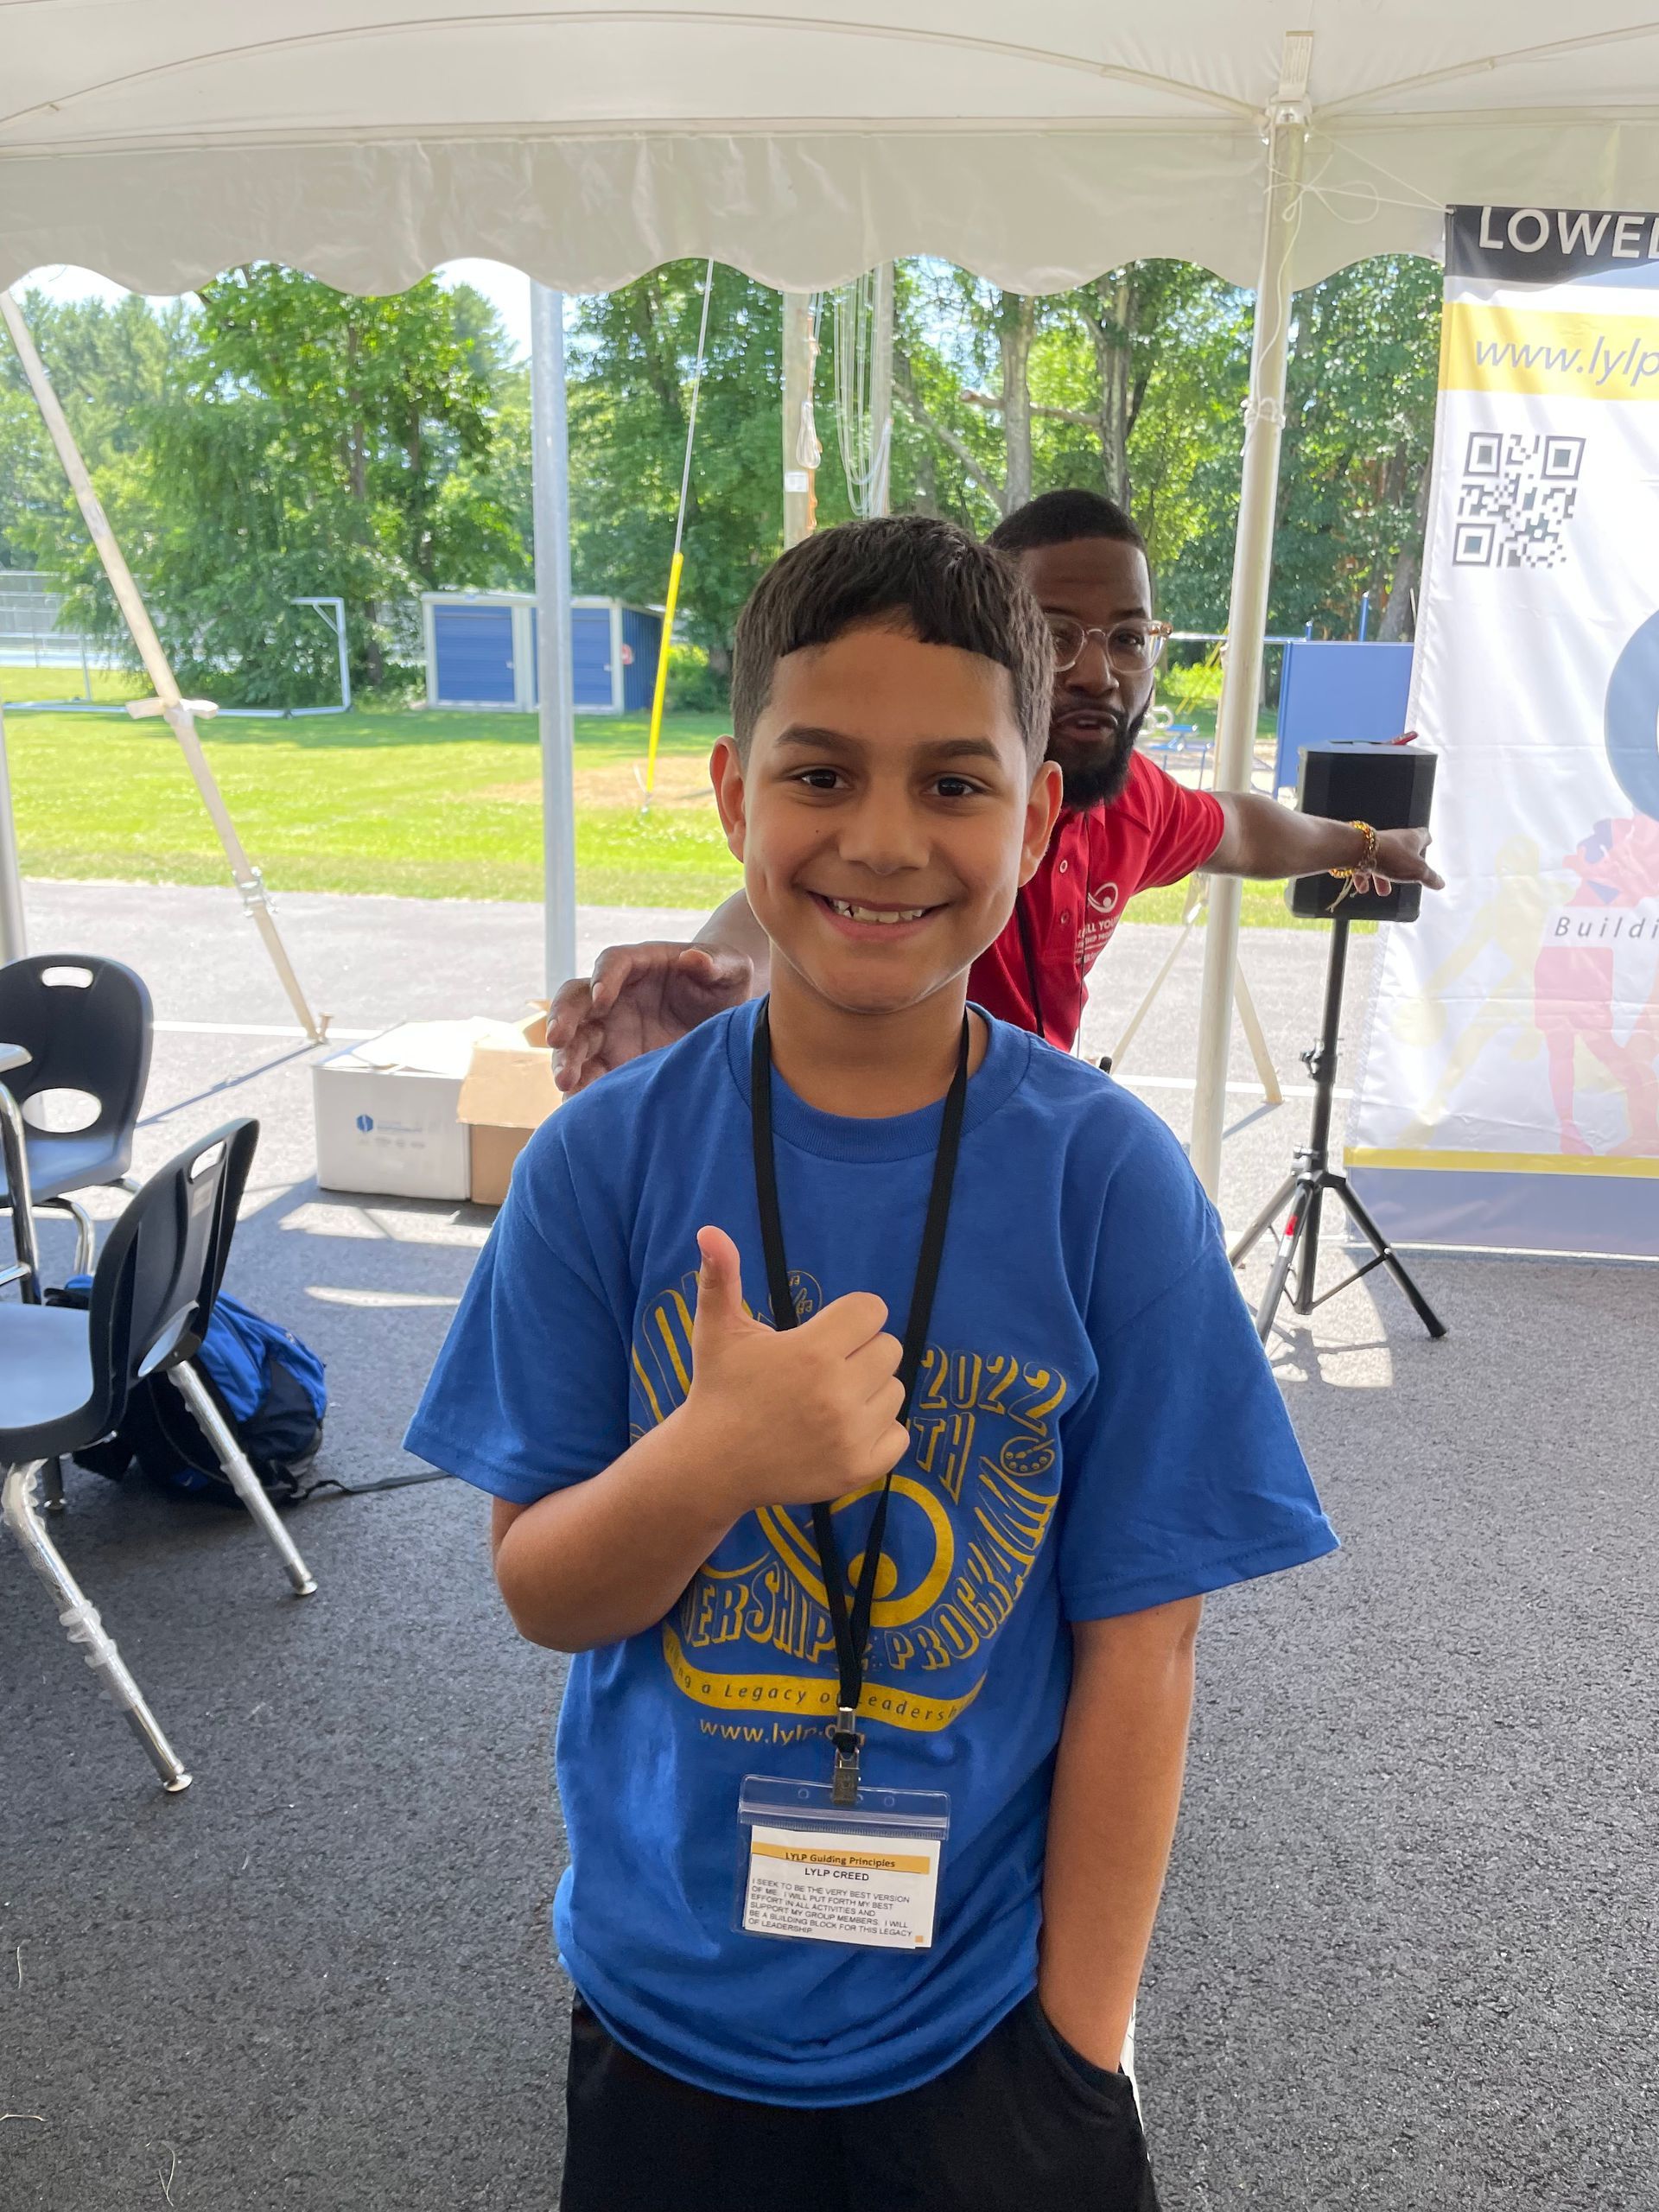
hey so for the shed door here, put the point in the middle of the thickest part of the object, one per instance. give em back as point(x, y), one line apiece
point(590, 657)
point(473, 646)
point(643, 631)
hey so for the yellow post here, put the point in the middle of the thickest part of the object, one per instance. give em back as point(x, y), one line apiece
point(675, 566)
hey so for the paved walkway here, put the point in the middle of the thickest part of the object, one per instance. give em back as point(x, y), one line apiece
point(1406, 1961)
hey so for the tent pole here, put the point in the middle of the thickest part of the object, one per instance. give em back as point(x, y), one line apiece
point(1264, 417)
point(882, 391)
point(550, 500)
point(14, 943)
point(800, 439)
point(179, 714)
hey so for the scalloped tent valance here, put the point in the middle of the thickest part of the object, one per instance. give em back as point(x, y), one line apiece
point(586, 143)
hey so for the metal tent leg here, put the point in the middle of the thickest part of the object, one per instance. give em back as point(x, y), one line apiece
point(179, 713)
point(1255, 1037)
point(1249, 1019)
point(1264, 416)
point(1189, 922)
point(14, 940)
point(21, 1516)
point(246, 1484)
point(551, 502)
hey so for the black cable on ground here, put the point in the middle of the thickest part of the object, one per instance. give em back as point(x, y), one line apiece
point(366, 1490)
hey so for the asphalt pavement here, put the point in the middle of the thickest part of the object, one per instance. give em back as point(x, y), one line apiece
point(1406, 1957)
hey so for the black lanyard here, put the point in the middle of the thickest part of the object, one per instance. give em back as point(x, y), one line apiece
point(1033, 977)
point(852, 1624)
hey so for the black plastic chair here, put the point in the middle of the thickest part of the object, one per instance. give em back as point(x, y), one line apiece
point(85, 1025)
point(65, 1374)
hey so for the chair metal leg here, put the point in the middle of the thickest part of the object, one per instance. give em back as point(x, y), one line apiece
point(22, 1515)
point(85, 1234)
point(246, 1484)
point(14, 1153)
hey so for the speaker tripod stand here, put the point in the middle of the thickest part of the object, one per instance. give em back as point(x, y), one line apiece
point(1312, 1177)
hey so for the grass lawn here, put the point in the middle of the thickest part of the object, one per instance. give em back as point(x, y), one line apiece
point(430, 805)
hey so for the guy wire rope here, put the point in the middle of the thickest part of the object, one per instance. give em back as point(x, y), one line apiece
point(678, 561)
point(864, 387)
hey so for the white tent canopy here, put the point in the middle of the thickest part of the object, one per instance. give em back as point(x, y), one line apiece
point(1272, 141)
point(586, 142)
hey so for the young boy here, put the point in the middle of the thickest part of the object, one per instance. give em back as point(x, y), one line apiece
point(888, 1527)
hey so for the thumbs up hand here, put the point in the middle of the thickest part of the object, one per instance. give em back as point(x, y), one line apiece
point(791, 1416)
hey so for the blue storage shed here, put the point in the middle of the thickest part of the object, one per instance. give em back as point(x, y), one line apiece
point(613, 656)
point(477, 648)
point(481, 652)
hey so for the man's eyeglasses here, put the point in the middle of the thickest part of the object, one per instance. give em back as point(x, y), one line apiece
point(1131, 648)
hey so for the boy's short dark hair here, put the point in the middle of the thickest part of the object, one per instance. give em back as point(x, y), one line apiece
point(908, 572)
point(1061, 518)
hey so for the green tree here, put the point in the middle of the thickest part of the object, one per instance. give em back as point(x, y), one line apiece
point(1359, 440)
point(112, 362)
point(1141, 389)
point(1354, 473)
point(962, 360)
point(287, 439)
point(1128, 386)
point(633, 356)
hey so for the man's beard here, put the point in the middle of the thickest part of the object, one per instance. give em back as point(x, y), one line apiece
point(1100, 779)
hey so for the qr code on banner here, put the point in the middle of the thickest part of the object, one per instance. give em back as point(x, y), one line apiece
point(1516, 499)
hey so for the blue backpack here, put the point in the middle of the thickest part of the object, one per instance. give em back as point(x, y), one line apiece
point(269, 1386)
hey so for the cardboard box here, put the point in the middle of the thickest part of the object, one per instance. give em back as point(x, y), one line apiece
point(386, 1111)
point(508, 1093)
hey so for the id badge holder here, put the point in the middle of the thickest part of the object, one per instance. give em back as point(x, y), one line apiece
point(865, 1873)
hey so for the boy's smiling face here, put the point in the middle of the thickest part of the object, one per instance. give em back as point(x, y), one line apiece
point(886, 817)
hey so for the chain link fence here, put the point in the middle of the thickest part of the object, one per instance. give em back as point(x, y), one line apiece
point(33, 635)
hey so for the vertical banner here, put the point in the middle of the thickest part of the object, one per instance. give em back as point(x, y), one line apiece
point(1509, 1093)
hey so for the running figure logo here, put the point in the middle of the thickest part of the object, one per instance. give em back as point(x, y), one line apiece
point(1101, 918)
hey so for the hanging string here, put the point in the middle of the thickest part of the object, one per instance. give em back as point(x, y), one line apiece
point(1327, 195)
point(1371, 200)
point(865, 442)
point(808, 449)
point(1419, 201)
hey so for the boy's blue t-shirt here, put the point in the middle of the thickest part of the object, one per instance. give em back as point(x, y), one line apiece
point(1094, 1430)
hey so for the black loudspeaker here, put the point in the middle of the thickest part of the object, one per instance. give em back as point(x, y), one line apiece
point(1390, 787)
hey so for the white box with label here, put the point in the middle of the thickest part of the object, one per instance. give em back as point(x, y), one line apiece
point(385, 1112)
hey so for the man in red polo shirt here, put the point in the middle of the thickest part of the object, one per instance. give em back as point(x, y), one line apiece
point(1125, 826)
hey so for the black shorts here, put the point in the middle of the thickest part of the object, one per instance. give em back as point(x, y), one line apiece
point(1022, 2124)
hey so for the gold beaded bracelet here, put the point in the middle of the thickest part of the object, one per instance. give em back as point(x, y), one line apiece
point(1367, 863)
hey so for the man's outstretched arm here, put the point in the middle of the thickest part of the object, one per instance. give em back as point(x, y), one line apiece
point(1263, 838)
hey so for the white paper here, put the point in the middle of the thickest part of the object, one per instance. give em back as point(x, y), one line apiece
point(843, 1886)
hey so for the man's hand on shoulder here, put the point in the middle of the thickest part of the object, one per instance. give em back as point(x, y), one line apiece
point(640, 997)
